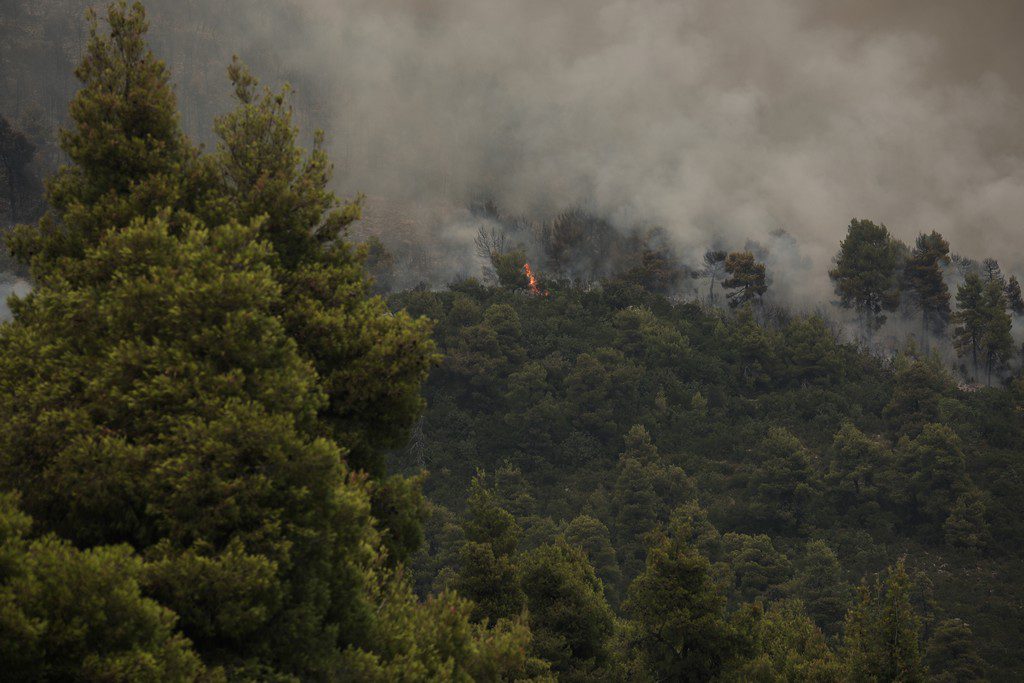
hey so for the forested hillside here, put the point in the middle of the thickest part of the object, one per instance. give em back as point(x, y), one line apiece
point(800, 464)
point(224, 457)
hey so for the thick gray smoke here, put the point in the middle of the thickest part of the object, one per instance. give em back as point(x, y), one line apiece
point(720, 120)
point(724, 118)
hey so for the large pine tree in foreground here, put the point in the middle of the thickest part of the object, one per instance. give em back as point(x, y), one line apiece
point(200, 378)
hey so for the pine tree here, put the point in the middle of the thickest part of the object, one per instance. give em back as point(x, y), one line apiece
point(195, 378)
point(859, 470)
point(1013, 296)
point(569, 618)
point(592, 536)
point(819, 583)
point(758, 569)
point(991, 272)
point(919, 387)
point(752, 350)
point(964, 264)
point(811, 353)
point(787, 646)
point(747, 278)
point(923, 277)
point(69, 614)
point(487, 522)
point(881, 634)
point(713, 270)
point(780, 484)
point(969, 318)
point(487, 573)
point(678, 624)
point(128, 155)
point(645, 493)
point(865, 273)
point(996, 342)
point(197, 440)
point(934, 474)
point(349, 336)
point(966, 526)
point(952, 655)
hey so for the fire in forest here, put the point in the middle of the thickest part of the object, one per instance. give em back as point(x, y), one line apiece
point(533, 286)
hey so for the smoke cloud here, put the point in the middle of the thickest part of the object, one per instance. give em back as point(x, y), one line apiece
point(718, 120)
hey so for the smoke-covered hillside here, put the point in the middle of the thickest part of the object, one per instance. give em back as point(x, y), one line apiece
point(716, 121)
point(590, 341)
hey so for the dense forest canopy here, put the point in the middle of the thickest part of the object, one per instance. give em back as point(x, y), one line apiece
point(244, 435)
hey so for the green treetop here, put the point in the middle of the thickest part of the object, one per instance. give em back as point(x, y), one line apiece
point(865, 275)
point(679, 629)
point(186, 381)
point(924, 278)
point(996, 340)
point(1013, 296)
point(128, 155)
point(881, 635)
point(747, 281)
point(571, 622)
point(68, 614)
point(969, 318)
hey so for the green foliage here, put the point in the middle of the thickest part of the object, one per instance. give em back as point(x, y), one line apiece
point(508, 268)
point(934, 469)
point(789, 647)
point(570, 620)
point(966, 526)
point(969, 318)
point(198, 377)
point(858, 478)
point(679, 628)
point(437, 640)
point(489, 580)
point(747, 279)
point(1013, 296)
point(951, 653)
point(370, 362)
point(881, 634)
point(781, 483)
point(128, 155)
point(919, 386)
point(487, 572)
point(758, 569)
point(865, 273)
point(487, 522)
point(754, 350)
point(983, 322)
point(996, 340)
point(592, 536)
point(924, 279)
point(645, 493)
point(195, 442)
point(819, 582)
point(200, 397)
point(810, 353)
point(68, 614)
point(781, 431)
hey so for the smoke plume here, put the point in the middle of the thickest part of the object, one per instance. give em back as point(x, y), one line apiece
point(719, 120)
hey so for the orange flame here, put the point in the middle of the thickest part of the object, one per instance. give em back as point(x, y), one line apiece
point(533, 287)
